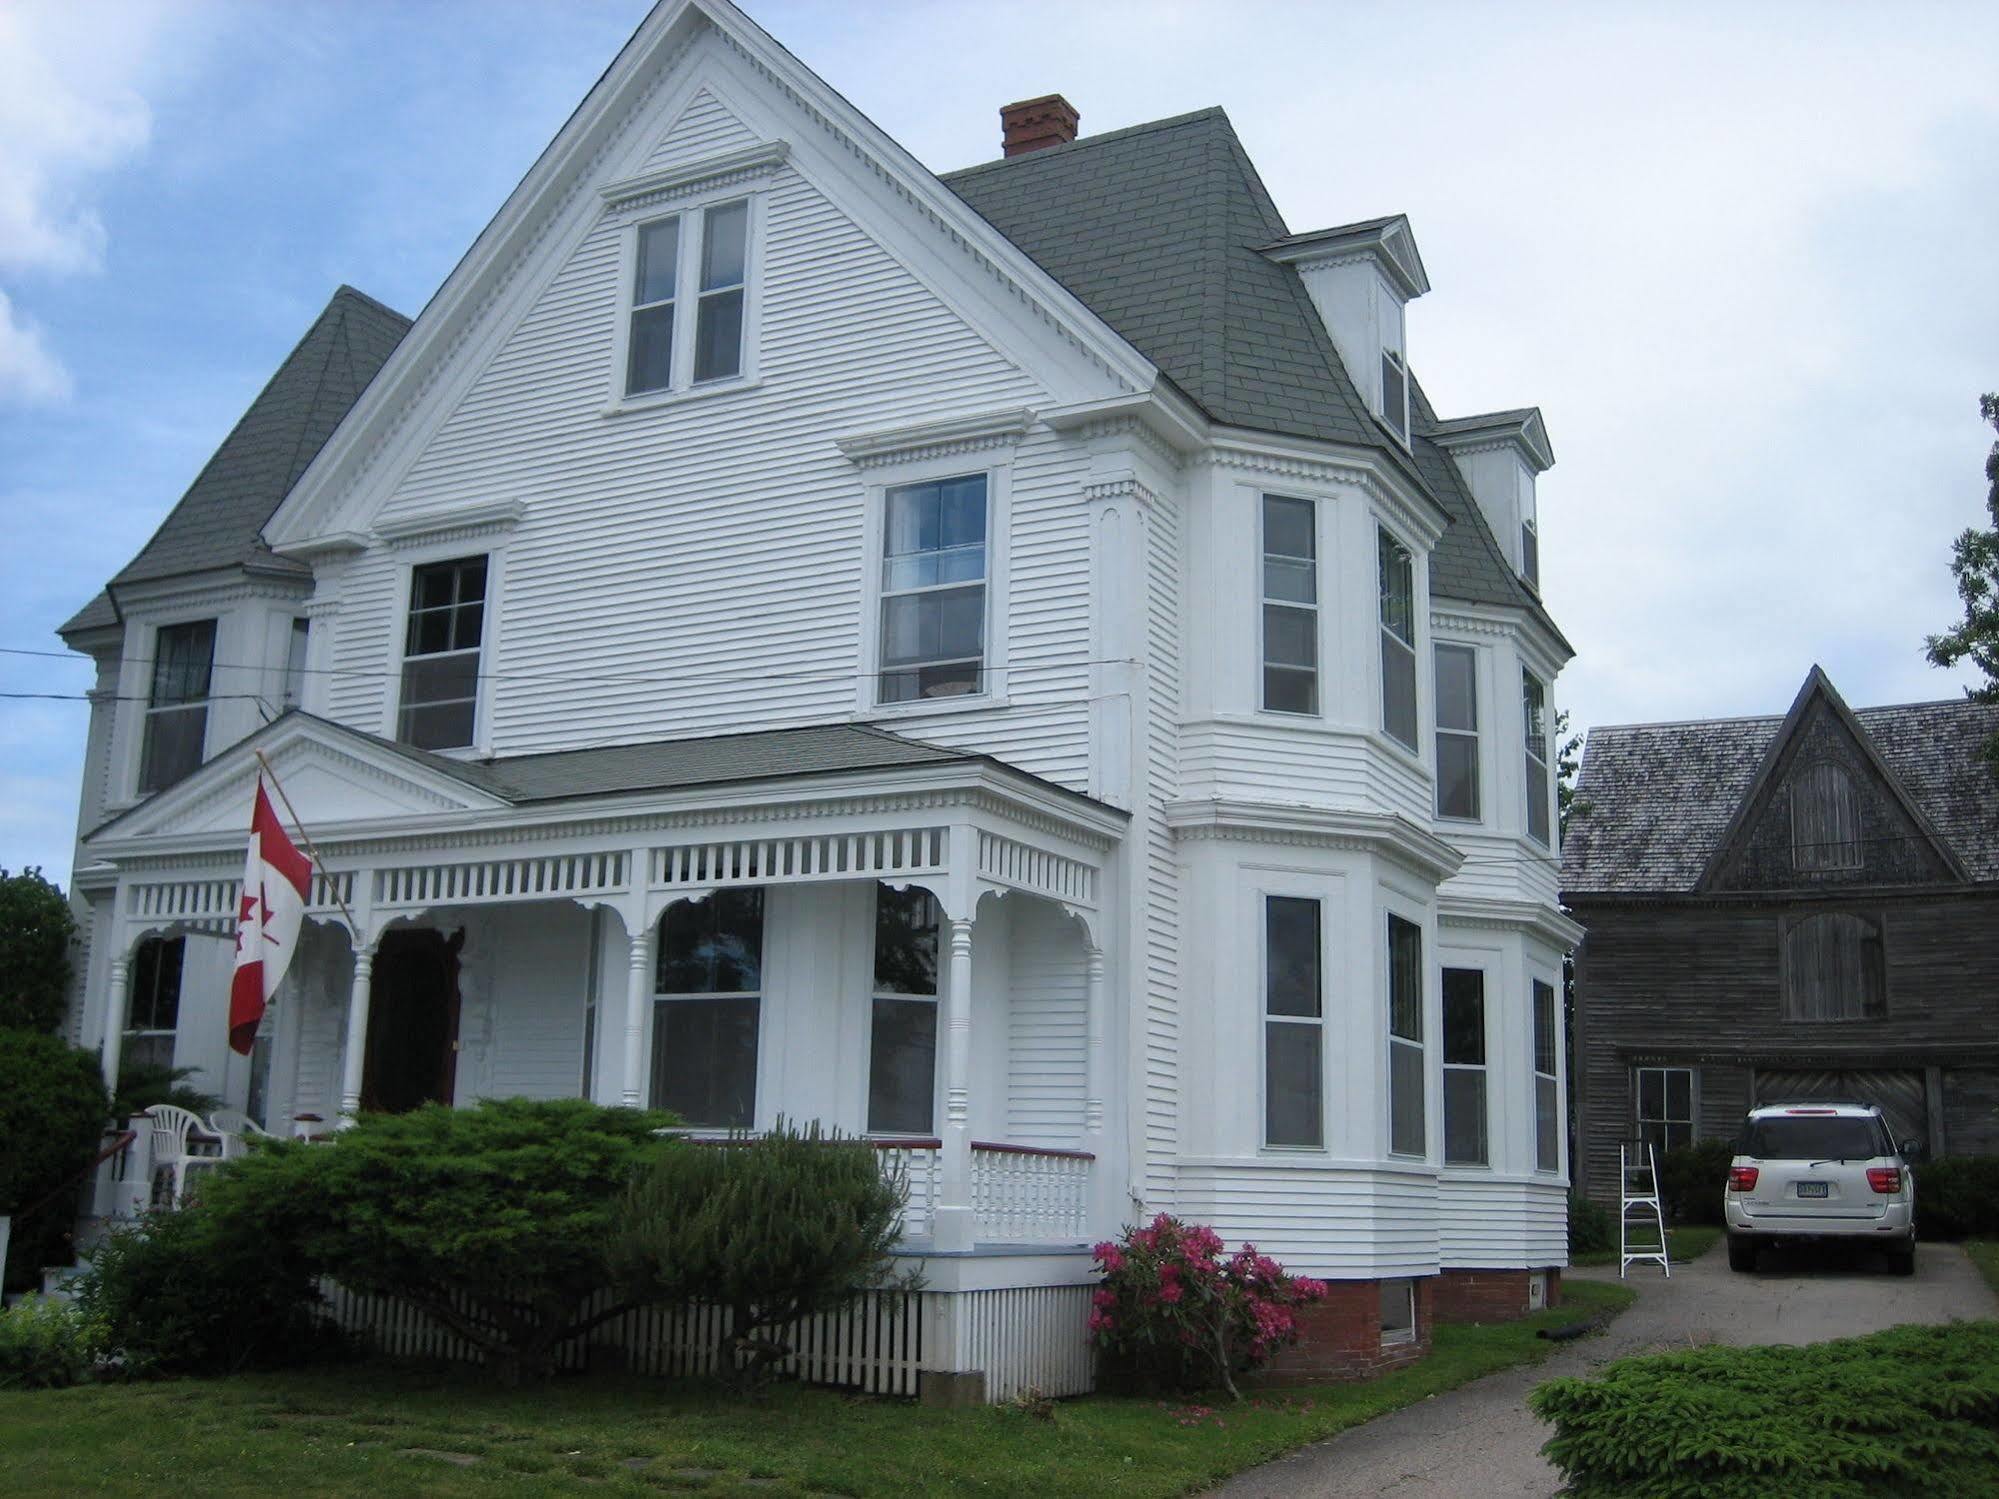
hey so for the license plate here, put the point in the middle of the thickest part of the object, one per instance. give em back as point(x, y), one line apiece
point(1814, 1189)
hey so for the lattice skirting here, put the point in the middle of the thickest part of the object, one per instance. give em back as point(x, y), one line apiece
point(1025, 1338)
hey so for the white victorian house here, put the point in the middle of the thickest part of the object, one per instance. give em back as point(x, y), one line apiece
point(1009, 663)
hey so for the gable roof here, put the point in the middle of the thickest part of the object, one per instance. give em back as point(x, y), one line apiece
point(1160, 229)
point(218, 521)
point(1655, 803)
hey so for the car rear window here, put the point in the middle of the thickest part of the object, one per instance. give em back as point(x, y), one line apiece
point(1814, 1137)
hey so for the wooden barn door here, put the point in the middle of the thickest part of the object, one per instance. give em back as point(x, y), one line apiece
point(1900, 1092)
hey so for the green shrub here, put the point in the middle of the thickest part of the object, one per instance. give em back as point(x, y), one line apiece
point(1591, 1230)
point(776, 1228)
point(36, 929)
point(1692, 1179)
point(207, 1290)
point(1957, 1197)
point(494, 1220)
point(52, 1117)
point(1914, 1410)
point(143, 1084)
point(46, 1344)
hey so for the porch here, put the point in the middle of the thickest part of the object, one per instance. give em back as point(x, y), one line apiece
point(910, 952)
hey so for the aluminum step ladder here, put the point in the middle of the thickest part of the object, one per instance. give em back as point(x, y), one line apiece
point(1638, 1189)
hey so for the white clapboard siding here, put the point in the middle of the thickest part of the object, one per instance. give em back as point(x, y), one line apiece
point(1159, 858)
point(697, 566)
point(704, 128)
point(1338, 1221)
point(1048, 1024)
point(531, 1044)
point(1258, 762)
point(1490, 1222)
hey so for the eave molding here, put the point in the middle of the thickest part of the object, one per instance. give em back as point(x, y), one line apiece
point(987, 431)
point(1511, 916)
point(725, 169)
point(460, 522)
point(1388, 834)
point(1413, 511)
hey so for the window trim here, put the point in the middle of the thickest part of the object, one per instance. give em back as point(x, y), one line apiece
point(683, 387)
point(1414, 645)
point(1544, 760)
point(761, 995)
point(1401, 363)
point(875, 993)
point(1439, 732)
point(1265, 603)
point(147, 711)
point(407, 563)
point(128, 1032)
point(1264, 1019)
point(1535, 983)
point(1446, 1066)
point(998, 471)
point(1638, 1119)
point(1389, 915)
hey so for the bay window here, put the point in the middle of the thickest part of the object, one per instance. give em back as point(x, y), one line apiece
point(1465, 1132)
point(1457, 732)
point(1398, 641)
point(1405, 1037)
point(1534, 722)
point(1293, 1024)
point(1547, 1083)
point(1290, 606)
point(709, 992)
point(177, 707)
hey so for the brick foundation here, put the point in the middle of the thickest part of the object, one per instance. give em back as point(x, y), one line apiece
point(1342, 1337)
point(1490, 1295)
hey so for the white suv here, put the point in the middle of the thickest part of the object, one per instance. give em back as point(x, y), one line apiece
point(1819, 1170)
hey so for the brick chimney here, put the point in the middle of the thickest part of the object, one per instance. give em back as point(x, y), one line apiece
point(1034, 123)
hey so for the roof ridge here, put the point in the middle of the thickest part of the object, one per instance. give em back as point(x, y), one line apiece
point(1083, 142)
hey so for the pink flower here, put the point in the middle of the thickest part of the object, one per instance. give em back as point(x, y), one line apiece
point(1170, 1292)
point(1104, 1296)
point(1111, 1258)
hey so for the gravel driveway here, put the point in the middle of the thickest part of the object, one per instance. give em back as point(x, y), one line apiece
point(1480, 1440)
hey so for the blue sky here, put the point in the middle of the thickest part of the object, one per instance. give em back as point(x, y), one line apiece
point(1740, 257)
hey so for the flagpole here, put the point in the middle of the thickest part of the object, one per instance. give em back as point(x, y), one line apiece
point(332, 884)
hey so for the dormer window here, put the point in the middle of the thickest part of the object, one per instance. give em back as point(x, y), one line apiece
point(689, 280)
point(1530, 554)
point(1395, 393)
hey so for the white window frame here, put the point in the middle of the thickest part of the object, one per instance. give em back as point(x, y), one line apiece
point(1447, 1066)
point(130, 1032)
point(1265, 602)
point(763, 995)
point(690, 209)
point(1691, 1122)
point(1554, 1078)
point(1388, 914)
point(1530, 553)
point(1265, 1019)
point(1537, 772)
point(298, 656)
point(1397, 421)
point(934, 999)
point(1414, 645)
point(1439, 732)
point(994, 694)
point(136, 769)
point(408, 560)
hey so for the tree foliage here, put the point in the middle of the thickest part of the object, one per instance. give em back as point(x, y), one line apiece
point(1974, 562)
point(784, 1226)
point(52, 1116)
point(494, 1220)
point(36, 929)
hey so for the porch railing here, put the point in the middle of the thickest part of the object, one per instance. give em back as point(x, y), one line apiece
point(1030, 1194)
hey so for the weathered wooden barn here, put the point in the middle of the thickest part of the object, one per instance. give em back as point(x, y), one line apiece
point(1780, 907)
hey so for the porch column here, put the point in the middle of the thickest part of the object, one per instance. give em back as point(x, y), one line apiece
point(955, 1221)
point(117, 997)
point(356, 1058)
point(1094, 1069)
point(638, 994)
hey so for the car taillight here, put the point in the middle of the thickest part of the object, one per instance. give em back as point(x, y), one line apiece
point(1885, 1178)
point(1742, 1178)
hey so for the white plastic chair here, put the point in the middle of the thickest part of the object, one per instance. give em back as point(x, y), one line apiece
point(170, 1127)
point(235, 1129)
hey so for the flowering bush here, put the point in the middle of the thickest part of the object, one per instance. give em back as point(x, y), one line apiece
point(1178, 1313)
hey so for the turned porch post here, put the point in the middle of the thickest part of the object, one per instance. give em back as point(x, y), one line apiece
point(1095, 1071)
point(955, 1220)
point(117, 997)
point(638, 994)
point(355, 1061)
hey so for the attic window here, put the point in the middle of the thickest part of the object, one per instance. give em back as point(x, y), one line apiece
point(690, 276)
point(1395, 393)
point(1825, 819)
point(1530, 554)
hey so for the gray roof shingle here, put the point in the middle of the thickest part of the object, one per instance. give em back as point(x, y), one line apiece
point(1157, 229)
point(219, 520)
point(1654, 800)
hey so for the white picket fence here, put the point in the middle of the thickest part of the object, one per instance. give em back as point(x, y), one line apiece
point(1027, 1338)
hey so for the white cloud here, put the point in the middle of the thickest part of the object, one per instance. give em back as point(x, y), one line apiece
point(29, 373)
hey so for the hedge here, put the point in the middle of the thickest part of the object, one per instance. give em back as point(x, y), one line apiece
point(1914, 1410)
point(1957, 1197)
point(1692, 1179)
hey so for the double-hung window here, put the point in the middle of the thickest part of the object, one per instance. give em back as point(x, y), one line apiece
point(177, 707)
point(1398, 641)
point(1395, 392)
point(902, 1051)
point(1465, 1130)
point(1457, 732)
point(690, 278)
point(1547, 1086)
point(710, 992)
point(440, 689)
point(153, 1011)
point(1405, 1037)
point(1534, 721)
point(1290, 606)
point(295, 651)
point(1293, 1024)
point(1666, 1107)
point(1530, 553)
point(934, 575)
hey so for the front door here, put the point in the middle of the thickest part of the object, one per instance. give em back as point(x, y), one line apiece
point(412, 1021)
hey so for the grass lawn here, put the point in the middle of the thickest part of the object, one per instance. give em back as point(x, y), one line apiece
point(350, 1431)
point(1689, 1242)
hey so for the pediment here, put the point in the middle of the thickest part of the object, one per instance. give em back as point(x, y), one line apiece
point(335, 780)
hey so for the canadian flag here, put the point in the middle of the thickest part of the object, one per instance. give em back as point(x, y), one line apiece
point(275, 884)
